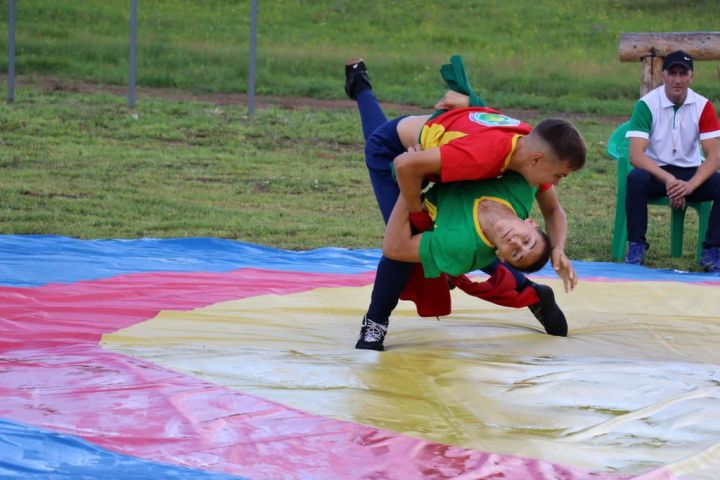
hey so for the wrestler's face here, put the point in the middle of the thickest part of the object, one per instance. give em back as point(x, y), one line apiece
point(520, 242)
point(547, 169)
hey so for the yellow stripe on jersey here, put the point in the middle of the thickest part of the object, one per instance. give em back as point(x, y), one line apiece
point(431, 209)
point(512, 150)
point(435, 135)
point(479, 230)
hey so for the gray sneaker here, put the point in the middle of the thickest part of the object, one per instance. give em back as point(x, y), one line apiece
point(372, 335)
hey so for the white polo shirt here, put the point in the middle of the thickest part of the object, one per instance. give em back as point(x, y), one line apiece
point(674, 133)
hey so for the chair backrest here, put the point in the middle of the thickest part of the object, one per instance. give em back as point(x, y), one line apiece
point(618, 146)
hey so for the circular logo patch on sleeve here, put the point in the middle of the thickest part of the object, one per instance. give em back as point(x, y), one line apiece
point(493, 119)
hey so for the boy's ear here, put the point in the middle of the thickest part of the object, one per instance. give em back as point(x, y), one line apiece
point(536, 157)
point(499, 255)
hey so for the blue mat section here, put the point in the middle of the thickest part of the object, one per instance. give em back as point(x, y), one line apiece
point(27, 452)
point(621, 271)
point(39, 260)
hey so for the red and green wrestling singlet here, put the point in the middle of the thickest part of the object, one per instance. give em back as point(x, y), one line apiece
point(475, 142)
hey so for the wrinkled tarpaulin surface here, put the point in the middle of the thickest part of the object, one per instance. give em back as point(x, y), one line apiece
point(206, 358)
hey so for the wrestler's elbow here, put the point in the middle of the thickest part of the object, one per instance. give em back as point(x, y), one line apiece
point(402, 164)
point(399, 247)
point(391, 248)
point(409, 165)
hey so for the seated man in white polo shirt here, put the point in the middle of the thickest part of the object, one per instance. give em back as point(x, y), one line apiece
point(667, 128)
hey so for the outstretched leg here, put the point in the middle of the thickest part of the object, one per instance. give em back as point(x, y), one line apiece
point(381, 148)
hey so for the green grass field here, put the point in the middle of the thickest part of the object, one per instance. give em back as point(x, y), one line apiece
point(83, 165)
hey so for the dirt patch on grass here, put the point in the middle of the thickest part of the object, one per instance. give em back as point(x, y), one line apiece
point(265, 101)
point(261, 101)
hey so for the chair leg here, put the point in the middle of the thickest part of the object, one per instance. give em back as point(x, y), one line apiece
point(703, 219)
point(619, 239)
point(677, 230)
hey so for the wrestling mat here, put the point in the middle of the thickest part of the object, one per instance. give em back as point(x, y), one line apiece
point(205, 358)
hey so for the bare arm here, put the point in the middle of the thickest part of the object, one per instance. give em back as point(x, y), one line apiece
point(639, 159)
point(452, 99)
point(411, 168)
point(711, 149)
point(399, 242)
point(556, 227)
point(676, 189)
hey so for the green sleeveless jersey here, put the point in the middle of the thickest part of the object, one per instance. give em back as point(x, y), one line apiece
point(457, 245)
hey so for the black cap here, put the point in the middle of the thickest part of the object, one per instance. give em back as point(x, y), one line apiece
point(678, 58)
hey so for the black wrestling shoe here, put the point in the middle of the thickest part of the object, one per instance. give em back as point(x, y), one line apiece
point(547, 311)
point(372, 335)
point(356, 78)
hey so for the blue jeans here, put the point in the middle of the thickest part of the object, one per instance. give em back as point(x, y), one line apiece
point(642, 186)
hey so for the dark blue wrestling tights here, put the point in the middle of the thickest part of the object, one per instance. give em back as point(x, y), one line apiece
point(382, 145)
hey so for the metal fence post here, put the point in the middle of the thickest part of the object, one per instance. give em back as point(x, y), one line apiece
point(133, 54)
point(251, 69)
point(11, 52)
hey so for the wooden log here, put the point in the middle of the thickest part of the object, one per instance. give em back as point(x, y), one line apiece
point(651, 74)
point(635, 46)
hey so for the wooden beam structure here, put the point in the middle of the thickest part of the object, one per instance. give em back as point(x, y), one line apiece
point(651, 48)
